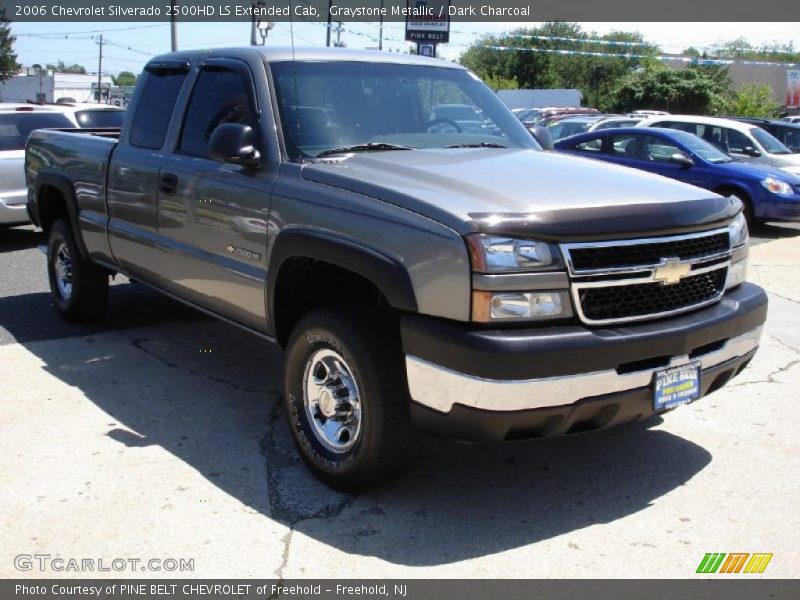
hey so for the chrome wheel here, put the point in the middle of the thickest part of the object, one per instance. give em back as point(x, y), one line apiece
point(332, 401)
point(62, 267)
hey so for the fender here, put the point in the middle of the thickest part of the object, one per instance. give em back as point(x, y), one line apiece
point(388, 275)
point(63, 184)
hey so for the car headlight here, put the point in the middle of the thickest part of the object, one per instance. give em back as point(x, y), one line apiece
point(738, 231)
point(499, 254)
point(488, 307)
point(776, 186)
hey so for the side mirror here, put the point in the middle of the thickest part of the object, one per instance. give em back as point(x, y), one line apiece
point(234, 143)
point(541, 135)
point(681, 160)
point(750, 151)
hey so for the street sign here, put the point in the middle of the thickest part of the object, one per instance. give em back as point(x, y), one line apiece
point(428, 21)
point(427, 50)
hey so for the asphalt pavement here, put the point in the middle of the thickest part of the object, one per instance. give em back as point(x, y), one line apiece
point(157, 433)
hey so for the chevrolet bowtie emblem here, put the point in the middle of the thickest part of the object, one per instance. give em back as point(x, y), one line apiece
point(671, 271)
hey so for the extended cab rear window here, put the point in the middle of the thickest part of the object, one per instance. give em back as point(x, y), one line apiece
point(16, 127)
point(100, 118)
point(150, 120)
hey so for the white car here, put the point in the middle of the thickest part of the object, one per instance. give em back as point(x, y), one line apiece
point(743, 141)
point(17, 120)
point(794, 119)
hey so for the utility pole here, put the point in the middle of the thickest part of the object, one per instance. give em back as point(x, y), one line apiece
point(328, 34)
point(380, 31)
point(100, 71)
point(174, 28)
point(253, 38)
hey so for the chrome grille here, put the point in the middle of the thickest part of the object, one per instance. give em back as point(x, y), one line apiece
point(634, 280)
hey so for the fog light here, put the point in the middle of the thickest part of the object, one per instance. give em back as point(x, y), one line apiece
point(737, 274)
point(489, 306)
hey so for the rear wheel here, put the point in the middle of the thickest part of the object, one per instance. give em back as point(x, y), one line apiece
point(79, 288)
point(346, 397)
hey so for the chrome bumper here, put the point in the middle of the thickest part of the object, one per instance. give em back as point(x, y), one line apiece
point(439, 388)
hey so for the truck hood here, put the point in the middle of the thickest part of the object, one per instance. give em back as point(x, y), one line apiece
point(525, 192)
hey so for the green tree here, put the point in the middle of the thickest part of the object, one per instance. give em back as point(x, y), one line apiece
point(125, 78)
point(559, 55)
point(8, 58)
point(63, 68)
point(693, 90)
point(753, 100)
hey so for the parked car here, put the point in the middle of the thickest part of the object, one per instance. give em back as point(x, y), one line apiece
point(573, 125)
point(16, 123)
point(545, 115)
point(743, 141)
point(466, 284)
point(792, 119)
point(463, 118)
point(787, 133)
point(767, 193)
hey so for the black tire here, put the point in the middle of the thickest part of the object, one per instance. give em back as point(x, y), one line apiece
point(87, 295)
point(383, 445)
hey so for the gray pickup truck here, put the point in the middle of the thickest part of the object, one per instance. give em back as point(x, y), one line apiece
point(417, 275)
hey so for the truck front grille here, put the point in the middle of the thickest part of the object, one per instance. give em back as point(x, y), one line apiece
point(650, 299)
point(643, 254)
point(635, 280)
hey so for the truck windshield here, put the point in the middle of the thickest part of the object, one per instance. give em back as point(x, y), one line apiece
point(15, 127)
point(328, 105)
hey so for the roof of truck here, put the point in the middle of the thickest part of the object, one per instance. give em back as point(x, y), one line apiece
point(280, 54)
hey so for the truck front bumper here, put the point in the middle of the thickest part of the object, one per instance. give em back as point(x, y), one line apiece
point(511, 384)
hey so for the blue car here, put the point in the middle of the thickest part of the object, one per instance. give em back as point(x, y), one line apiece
point(768, 194)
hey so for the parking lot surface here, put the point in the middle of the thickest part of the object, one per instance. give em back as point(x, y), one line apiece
point(157, 433)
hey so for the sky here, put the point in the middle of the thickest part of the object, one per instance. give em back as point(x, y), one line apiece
point(132, 44)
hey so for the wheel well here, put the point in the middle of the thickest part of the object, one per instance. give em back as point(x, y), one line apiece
point(52, 206)
point(727, 190)
point(304, 284)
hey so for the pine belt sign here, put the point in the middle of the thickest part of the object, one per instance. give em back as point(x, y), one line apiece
point(428, 21)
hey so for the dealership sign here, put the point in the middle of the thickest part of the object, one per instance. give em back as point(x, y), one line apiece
point(793, 89)
point(428, 21)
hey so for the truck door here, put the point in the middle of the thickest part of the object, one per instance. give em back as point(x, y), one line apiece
point(213, 216)
point(134, 169)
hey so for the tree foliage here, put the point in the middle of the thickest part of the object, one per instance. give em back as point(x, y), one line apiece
point(753, 100)
point(125, 78)
point(693, 90)
point(524, 57)
point(8, 58)
point(63, 68)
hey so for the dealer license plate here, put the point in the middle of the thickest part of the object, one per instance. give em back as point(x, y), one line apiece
point(676, 386)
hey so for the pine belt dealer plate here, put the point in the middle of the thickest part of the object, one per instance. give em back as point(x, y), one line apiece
point(676, 386)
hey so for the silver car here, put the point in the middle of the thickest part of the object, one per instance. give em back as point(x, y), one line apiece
point(16, 123)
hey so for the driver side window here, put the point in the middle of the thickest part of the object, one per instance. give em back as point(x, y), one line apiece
point(219, 96)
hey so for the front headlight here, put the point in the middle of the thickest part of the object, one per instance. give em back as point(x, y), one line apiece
point(488, 307)
point(776, 186)
point(499, 254)
point(738, 231)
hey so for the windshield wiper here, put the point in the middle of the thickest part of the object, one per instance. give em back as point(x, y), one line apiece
point(481, 145)
point(369, 147)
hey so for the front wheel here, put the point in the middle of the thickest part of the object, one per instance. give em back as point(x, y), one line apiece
point(79, 288)
point(346, 397)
